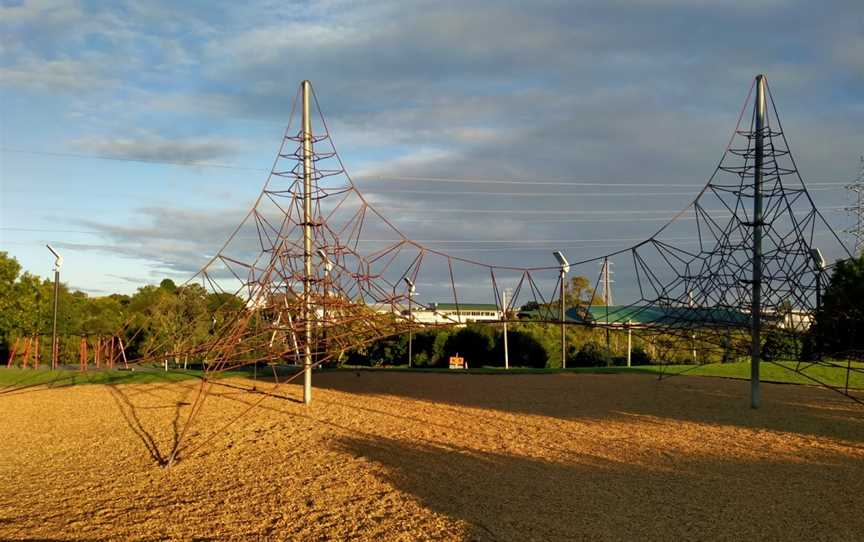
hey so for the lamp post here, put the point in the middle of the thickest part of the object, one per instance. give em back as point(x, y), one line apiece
point(565, 268)
point(819, 267)
point(328, 267)
point(58, 261)
point(506, 349)
point(411, 291)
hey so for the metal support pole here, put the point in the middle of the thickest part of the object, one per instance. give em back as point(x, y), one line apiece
point(563, 337)
point(756, 309)
point(506, 348)
point(307, 244)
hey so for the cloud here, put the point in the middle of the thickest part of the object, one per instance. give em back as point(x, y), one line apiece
point(63, 74)
point(193, 150)
point(613, 92)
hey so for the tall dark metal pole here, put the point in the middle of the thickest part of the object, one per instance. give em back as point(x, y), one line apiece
point(307, 244)
point(756, 308)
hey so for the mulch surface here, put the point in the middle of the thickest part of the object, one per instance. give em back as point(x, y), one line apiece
point(399, 456)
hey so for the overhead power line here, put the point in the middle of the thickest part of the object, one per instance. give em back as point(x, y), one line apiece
point(555, 183)
point(193, 163)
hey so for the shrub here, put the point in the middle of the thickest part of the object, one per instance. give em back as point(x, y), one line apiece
point(593, 355)
point(474, 343)
point(639, 356)
point(526, 349)
point(779, 346)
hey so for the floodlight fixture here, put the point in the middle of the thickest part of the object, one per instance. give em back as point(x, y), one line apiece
point(818, 259)
point(562, 261)
point(328, 265)
point(58, 259)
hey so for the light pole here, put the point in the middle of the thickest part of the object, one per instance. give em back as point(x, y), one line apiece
point(411, 291)
point(565, 268)
point(506, 349)
point(328, 267)
point(58, 261)
point(819, 267)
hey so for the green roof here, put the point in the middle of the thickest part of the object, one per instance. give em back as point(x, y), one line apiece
point(647, 315)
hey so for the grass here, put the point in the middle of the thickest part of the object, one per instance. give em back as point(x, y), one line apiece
point(769, 372)
point(782, 372)
point(16, 378)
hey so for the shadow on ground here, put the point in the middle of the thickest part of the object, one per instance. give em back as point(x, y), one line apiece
point(124, 399)
point(503, 497)
point(787, 408)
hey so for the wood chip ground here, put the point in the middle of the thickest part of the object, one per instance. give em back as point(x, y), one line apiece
point(394, 456)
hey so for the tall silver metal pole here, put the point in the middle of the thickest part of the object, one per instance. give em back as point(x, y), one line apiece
point(307, 243)
point(506, 349)
point(563, 337)
point(756, 309)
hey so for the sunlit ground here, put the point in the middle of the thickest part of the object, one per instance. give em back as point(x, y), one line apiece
point(406, 456)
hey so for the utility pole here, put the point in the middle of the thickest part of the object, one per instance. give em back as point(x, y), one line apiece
point(55, 350)
point(857, 211)
point(756, 308)
point(307, 243)
point(506, 349)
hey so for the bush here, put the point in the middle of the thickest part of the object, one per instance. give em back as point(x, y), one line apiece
point(779, 346)
point(592, 355)
point(474, 343)
point(389, 351)
point(640, 356)
point(526, 350)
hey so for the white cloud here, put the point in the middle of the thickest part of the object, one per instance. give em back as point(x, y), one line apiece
point(62, 74)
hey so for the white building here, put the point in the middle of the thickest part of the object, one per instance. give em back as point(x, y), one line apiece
point(451, 313)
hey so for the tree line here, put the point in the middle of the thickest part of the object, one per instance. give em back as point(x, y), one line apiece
point(156, 315)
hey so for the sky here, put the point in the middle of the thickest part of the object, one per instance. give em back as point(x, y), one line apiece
point(135, 135)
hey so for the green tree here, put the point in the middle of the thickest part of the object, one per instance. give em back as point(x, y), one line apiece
point(475, 343)
point(839, 325)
